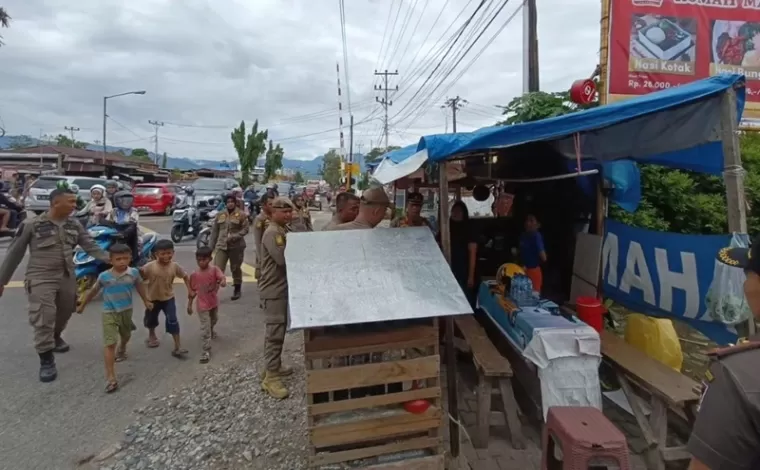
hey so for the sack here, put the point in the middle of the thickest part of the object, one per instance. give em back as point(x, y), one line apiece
point(725, 298)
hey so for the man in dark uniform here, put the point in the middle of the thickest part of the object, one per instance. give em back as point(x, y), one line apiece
point(50, 283)
point(413, 216)
point(228, 240)
point(726, 434)
point(372, 206)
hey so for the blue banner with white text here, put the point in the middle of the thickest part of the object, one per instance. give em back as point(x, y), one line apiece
point(663, 274)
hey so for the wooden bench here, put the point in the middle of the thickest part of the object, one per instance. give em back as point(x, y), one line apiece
point(668, 388)
point(492, 369)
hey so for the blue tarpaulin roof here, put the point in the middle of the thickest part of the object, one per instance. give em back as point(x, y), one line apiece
point(678, 127)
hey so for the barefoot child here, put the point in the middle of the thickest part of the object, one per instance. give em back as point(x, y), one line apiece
point(117, 284)
point(532, 251)
point(205, 283)
point(160, 275)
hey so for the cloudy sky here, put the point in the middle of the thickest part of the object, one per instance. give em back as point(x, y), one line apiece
point(207, 65)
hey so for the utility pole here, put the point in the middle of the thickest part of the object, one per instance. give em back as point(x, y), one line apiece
point(530, 47)
point(156, 125)
point(455, 104)
point(350, 165)
point(385, 102)
point(71, 130)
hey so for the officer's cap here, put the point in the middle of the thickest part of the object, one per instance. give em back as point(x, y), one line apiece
point(414, 198)
point(375, 197)
point(745, 258)
point(282, 203)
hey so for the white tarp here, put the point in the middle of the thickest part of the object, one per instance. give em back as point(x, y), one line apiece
point(388, 171)
point(360, 276)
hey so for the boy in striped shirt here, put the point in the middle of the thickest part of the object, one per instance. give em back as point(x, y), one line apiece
point(117, 285)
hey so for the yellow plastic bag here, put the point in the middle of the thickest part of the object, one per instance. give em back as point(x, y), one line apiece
point(656, 337)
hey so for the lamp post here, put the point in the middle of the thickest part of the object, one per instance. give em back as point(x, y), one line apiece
point(105, 116)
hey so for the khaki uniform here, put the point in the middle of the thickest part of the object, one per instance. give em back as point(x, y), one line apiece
point(353, 225)
point(301, 221)
point(334, 222)
point(50, 283)
point(727, 430)
point(228, 239)
point(260, 224)
point(273, 291)
point(408, 222)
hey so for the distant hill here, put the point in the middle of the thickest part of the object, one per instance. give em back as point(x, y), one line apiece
point(307, 167)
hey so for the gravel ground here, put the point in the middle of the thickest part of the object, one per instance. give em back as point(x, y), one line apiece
point(222, 421)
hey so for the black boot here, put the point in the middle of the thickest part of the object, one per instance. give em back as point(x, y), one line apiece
point(60, 345)
point(236, 293)
point(48, 372)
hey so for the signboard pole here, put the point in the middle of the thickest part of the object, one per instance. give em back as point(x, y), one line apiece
point(604, 52)
point(451, 358)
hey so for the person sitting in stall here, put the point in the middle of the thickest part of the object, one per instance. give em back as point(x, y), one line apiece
point(413, 216)
point(532, 251)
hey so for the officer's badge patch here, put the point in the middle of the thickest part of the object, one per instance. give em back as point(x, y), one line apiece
point(222, 217)
point(259, 224)
point(279, 240)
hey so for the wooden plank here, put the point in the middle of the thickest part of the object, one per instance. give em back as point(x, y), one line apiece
point(419, 443)
point(484, 353)
point(418, 344)
point(365, 375)
point(434, 462)
point(375, 428)
point(675, 453)
point(378, 340)
point(675, 388)
point(510, 412)
point(483, 430)
point(374, 401)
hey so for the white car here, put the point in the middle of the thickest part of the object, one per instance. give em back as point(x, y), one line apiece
point(38, 200)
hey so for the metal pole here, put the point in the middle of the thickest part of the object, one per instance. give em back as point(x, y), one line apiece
point(350, 154)
point(454, 114)
point(105, 116)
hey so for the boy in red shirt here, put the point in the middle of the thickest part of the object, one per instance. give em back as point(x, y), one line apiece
point(205, 283)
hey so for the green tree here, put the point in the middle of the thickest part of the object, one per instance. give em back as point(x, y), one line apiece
point(5, 21)
point(364, 182)
point(164, 159)
point(298, 177)
point(141, 154)
point(374, 155)
point(249, 148)
point(65, 141)
point(273, 161)
point(22, 141)
point(331, 168)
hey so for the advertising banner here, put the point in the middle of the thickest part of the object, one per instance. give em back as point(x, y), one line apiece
point(659, 44)
point(663, 274)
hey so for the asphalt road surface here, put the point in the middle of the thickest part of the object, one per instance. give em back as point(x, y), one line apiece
point(55, 425)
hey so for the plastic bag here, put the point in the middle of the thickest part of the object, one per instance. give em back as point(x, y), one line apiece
point(656, 337)
point(725, 298)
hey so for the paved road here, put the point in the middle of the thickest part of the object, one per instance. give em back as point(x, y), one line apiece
point(45, 426)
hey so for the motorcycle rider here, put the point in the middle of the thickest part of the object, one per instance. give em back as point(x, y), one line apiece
point(9, 214)
point(126, 218)
point(190, 204)
point(99, 205)
point(227, 238)
point(112, 187)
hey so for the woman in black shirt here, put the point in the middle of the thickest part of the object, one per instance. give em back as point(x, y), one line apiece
point(464, 250)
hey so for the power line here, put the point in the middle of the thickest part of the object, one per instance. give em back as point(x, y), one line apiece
point(404, 26)
point(384, 63)
point(455, 104)
point(385, 102)
point(385, 34)
point(125, 127)
point(156, 125)
point(71, 130)
point(345, 53)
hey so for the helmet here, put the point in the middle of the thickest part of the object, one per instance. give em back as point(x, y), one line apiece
point(74, 188)
point(189, 190)
point(237, 192)
point(112, 184)
point(227, 195)
point(123, 200)
point(62, 184)
point(506, 273)
point(97, 187)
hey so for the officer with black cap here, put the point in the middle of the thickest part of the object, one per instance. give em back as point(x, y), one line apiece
point(412, 218)
point(727, 430)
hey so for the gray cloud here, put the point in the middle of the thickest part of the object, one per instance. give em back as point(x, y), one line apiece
point(213, 64)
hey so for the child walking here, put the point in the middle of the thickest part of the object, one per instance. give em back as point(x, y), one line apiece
point(117, 285)
point(205, 283)
point(160, 275)
point(532, 252)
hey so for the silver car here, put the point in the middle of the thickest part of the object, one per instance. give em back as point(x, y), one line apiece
point(38, 200)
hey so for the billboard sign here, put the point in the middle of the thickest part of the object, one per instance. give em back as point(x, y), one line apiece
point(659, 44)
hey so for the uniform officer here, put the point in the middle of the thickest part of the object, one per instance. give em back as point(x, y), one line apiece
point(346, 209)
point(50, 282)
point(372, 207)
point(260, 224)
point(228, 240)
point(412, 218)
point(301, 216)
point(726, 434)
point(273, 291)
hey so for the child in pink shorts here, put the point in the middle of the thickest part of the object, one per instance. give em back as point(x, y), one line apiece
point(205, 283)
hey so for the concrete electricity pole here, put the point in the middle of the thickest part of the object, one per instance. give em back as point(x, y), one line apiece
point(156, 125)
point(71, 130)
point(530, 47)
point(455, 104)
point(385, 102)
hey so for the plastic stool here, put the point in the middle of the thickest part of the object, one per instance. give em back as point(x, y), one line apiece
point(585, 436)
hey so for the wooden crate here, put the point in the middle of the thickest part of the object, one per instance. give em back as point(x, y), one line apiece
point(357, 381)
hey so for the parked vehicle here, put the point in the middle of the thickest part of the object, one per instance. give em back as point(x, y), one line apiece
point(208, 191)
point(205, 234)
point(38, 200)
point(181, 226)
point(87, 268)
point(155, 198)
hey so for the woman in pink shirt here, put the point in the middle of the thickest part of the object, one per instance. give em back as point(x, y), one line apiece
point(205, 284)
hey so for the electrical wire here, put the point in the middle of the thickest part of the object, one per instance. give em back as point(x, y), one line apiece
point(404, 26)
point(383, 63)
point(424, 41)
point(345, 53)
point(385, 34)
point(125, 127)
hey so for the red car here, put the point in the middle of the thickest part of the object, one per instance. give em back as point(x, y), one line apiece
point(155, 198)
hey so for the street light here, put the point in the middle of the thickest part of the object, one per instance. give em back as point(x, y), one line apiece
point(105, 116)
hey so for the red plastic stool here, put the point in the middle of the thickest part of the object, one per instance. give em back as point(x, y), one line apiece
point(586, 437)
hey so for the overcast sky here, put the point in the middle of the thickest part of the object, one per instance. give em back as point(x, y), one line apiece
point(207, 65)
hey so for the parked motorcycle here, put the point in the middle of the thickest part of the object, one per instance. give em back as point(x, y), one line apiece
point(205, 234)
point(87, 268)
point(181, 225)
